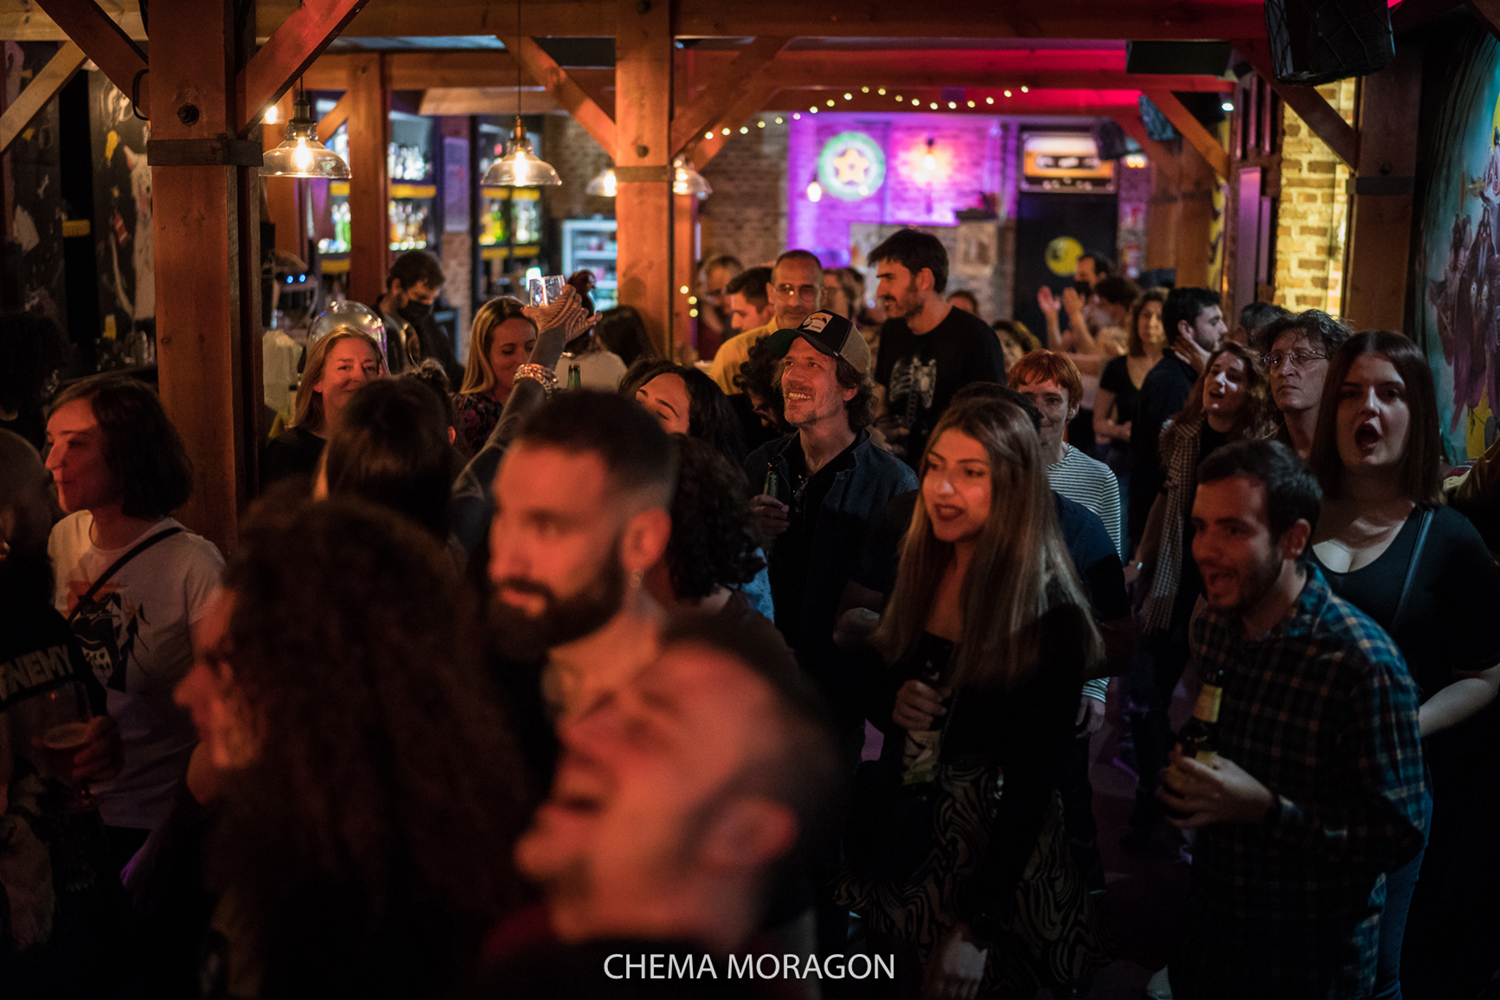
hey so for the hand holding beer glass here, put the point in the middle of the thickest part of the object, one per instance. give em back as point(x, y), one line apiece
point(77, 747)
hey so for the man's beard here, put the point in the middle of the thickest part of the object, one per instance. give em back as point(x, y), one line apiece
point(903, 306)
point(519, 636)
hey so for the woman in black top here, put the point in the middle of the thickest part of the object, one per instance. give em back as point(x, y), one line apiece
point(1389, 547)
point(337, 365)
point(1120, 387)
point(988, 636)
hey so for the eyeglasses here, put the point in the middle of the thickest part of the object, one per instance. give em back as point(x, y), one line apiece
point(809, 292)
point(1298, 359)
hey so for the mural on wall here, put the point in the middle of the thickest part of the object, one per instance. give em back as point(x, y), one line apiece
point(122, 211)
point(1457, 301)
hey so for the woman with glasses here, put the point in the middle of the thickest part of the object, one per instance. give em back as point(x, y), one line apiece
point(1389, 546)
point(1297, 349)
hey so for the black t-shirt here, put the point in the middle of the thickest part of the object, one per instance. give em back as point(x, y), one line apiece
point(1163, 393)
point(921, 374)
point(791, 551)
point(1088, 544)
point(1116, 379)
point(295, 452)
point(1448, 623)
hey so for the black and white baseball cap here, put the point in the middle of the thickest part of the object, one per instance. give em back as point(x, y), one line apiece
point(830, 334)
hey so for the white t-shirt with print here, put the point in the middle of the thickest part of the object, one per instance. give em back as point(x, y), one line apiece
point(135, 633)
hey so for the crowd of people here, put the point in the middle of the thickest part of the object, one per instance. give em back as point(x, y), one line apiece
point(522, 685)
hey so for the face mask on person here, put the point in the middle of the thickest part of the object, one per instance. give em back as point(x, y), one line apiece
point(415, 312)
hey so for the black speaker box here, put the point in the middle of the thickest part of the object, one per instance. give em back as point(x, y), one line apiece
point(1319, 41)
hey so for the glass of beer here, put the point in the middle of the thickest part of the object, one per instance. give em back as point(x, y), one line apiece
point(64, 725)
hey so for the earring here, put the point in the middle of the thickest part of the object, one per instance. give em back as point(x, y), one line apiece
point(635, 580)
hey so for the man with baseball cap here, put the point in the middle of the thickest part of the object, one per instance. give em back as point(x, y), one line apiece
point(817, 490)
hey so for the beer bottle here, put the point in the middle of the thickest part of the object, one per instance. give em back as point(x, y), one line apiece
point(773, 482)
point(919, 757)
point(1199, 736)
point(575, 377)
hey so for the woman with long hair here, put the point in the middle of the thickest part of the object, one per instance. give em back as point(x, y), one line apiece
point(1389, 546)
point(622, 331)
point(686, 401)
point(1229, 401)
point(337, 365)
point(988, 636)
point(500, 340)
point(1120, 387)
point(368, 787)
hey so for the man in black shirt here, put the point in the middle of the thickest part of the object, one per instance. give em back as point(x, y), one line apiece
point(928, 349)
point(1194, 322)
point(411, 289)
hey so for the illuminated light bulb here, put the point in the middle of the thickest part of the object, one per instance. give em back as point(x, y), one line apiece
point(864, 90)
point(1025, 90)
point(881, 91)
point(1007, 93)
point(813, 110)
point(708, 135)
point(1227, 106)
point(302, 156)
point(744, 130)
point(934, 105)
point(760, 124)
point(989, 100)
point(971, 104)
point(726, 131)
point(830, 102)
point(952, 105)
point(272, 115)
point(684, 289)
point(692, 299)
point(898, 97)
point(778, 120)
point(850, 97)
point(1135, 161)
point(814, 191)
point(693, 313)
point(796, 116)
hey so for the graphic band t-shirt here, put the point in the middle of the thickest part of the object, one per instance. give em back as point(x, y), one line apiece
point(135, 634)
point(921, 374)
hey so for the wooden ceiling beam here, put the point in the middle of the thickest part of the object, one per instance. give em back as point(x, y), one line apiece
point(563, 88)
point(1160, 156)
point(752, 71)
point(1325, 121)
point(703, 147)
point(329, 123)
point(42, 88)
point(1038, 102)
point(291, 48)
point(1192, 130)
point(103, 41)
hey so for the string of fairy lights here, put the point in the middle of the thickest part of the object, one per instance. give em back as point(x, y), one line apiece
point(915, 102)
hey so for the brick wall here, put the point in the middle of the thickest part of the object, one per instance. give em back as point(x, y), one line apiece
point(746, 214)
point(577, 158)
point(1312, 218)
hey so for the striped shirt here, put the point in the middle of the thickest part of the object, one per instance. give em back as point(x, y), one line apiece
point(1320, 710)
point(1091, 483)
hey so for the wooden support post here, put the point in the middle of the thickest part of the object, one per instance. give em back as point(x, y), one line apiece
point(684, 261)
point(369, 196)
point(643, 162)
point(1162, 213)
point(1207, 145)
point(1376, 264)
point(1196, 182)
point(293, 46)
point(106, 43)
point(53, 78)
point(566, 91)
point(199, 291)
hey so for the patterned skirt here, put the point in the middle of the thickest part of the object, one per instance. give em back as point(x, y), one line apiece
point(1053, 932)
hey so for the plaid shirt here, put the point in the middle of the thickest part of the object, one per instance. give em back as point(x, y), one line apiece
point(1321, 710)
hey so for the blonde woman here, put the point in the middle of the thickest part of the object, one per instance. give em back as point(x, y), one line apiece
point(500, 340)
point(337, 365)
point(988, 636)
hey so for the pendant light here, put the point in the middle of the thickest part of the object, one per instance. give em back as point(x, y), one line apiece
point(301, 154)
point(686, 180)
point(604, 184)
point(520, 166)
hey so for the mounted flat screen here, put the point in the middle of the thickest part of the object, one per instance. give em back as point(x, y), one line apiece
point(1064, 163)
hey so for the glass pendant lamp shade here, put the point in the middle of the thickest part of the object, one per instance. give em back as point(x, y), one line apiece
point(301, 154)
point(603, 185)
point(686, 180)
point(520, 166)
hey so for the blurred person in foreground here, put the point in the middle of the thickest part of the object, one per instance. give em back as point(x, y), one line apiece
point(367, 787)
point(681, 801)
